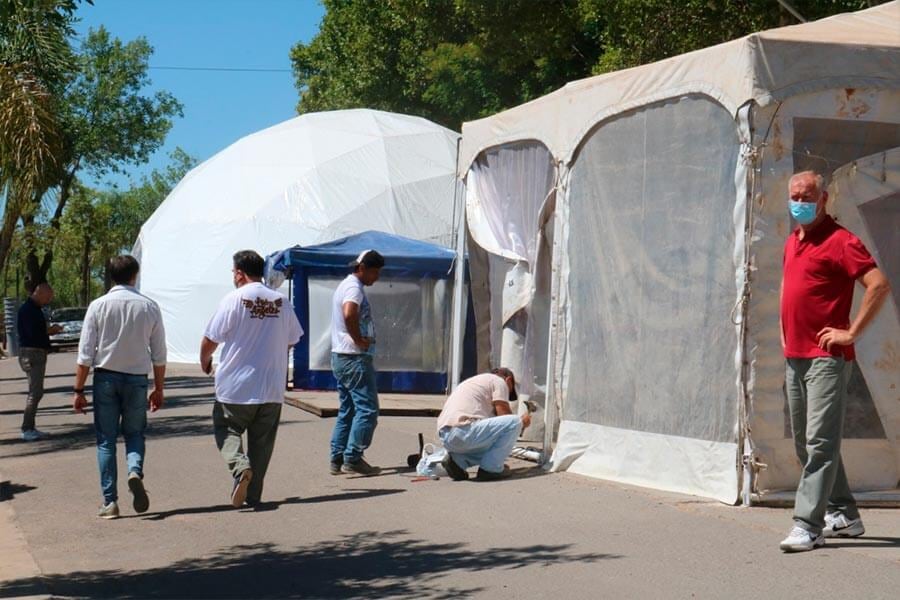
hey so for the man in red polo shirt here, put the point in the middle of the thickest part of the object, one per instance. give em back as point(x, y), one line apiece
point(822, 262)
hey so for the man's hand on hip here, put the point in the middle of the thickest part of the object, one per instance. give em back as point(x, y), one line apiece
point(831, 336)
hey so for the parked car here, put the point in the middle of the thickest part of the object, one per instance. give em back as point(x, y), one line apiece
point(71, 320)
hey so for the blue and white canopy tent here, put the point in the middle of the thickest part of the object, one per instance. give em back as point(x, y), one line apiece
point(411, 306)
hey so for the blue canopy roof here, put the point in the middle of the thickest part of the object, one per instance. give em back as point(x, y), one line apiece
point(403, 257)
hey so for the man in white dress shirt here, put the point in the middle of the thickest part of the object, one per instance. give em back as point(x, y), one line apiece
point(256, 326)
point(122, 339)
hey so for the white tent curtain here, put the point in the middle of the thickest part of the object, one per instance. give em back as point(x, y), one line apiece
point(650, 251)
point(509, 186)
point(650, 345)
point(509, 197)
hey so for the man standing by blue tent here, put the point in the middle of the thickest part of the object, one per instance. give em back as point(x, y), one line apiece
point(352, 350)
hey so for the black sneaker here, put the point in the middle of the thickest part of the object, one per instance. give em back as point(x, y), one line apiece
point(491, 476)
point(360, 467)
point(136, 485)
point(335, 467)
point(456, 472)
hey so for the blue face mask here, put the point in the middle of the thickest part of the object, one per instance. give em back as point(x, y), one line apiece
point(803, 212)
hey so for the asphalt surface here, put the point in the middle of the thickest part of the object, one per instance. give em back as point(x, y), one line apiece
point(320, 536)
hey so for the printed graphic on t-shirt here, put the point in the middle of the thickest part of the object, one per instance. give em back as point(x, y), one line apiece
point(262, 308)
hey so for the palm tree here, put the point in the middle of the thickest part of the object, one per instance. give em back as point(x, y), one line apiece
point(35, 61)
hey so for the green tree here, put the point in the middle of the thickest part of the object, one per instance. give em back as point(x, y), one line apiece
point(636, 32)
point(35, 62)
point(457, 60)
point(109, 121)
point(100, 224)
point(447, 60)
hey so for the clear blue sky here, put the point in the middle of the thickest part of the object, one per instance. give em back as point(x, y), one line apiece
point(219, 107)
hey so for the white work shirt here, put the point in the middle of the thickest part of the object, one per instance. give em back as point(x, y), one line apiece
point(122, 331)
point(351, 290)
point(256, 326)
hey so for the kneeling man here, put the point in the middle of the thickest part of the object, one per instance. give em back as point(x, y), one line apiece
point(477, 426)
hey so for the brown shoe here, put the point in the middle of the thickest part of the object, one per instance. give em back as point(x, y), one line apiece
point(360, 467)
point(239, 492)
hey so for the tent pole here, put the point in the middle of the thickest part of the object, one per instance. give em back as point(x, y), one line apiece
point(458, 282)
point(749, 162)
point(550, 412)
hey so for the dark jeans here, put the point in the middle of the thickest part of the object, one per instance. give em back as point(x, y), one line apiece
point(34, 362)
point(260, 421)
point(120, 405)
point(358, 412)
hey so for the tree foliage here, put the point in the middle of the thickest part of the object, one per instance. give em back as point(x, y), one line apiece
point(108, 121)
point(635, 32)
point(66, 112)
point(100, 224)
point(443, 59)
point(457, 60)
point(35, 62)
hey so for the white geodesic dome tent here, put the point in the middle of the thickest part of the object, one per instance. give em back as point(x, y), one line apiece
point(312, 179)
point(631, 227)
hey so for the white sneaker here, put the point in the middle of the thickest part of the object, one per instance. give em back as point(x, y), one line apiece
point(838, 525)
point(33, 435)
point(109, 511)
point(800, 540)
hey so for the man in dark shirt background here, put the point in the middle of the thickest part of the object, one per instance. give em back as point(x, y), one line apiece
point(34, 343)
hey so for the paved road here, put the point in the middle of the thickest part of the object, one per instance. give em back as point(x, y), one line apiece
point(319, 536)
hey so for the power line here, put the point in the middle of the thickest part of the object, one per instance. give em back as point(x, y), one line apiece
point(222, 69)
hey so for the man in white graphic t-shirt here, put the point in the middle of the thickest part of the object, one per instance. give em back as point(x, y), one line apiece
point(256, 326)
point(352, 349)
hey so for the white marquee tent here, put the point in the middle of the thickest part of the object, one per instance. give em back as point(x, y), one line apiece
point(635, 222)
point(312, 179)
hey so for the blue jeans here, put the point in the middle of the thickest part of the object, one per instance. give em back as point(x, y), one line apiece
point(120, 404)
point(485, 443)
point(358, 412)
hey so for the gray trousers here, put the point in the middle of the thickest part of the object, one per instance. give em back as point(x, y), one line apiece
point(816, 393)
point(34, 362)
point(260, 421)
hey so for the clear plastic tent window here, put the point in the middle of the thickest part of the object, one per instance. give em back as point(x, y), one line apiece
point(412, 323)
point(650, 343)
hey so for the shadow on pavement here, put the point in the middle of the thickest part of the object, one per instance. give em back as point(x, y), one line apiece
point(368, 564)
point(77, 437)
point(9, 490)
point(868, 541)
point(57, 409)
point(81, 435)
point(47, 376)
point(266, 506)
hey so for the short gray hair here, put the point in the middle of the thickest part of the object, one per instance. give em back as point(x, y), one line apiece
point(818, 178)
